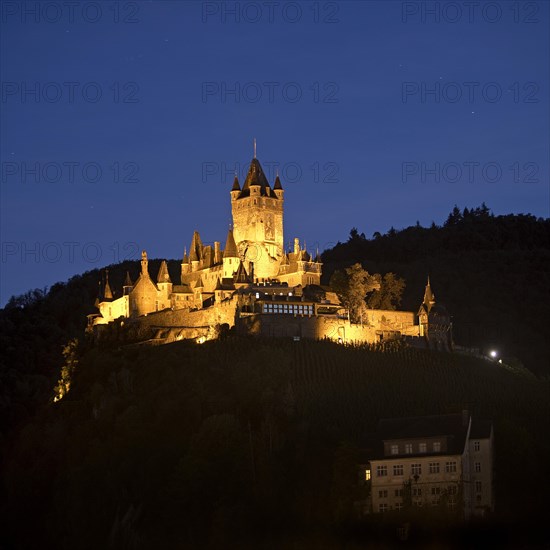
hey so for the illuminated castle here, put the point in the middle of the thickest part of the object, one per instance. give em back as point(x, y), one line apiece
point(253, 284)
point(254, 255)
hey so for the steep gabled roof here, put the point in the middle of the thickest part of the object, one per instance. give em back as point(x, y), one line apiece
point(107, 292)
point(195, 252)
point(128, 280)
point(241, 276)
point(230, 246)
point(256, 177)
point(163, 276)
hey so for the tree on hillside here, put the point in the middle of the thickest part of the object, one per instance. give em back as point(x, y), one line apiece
point(388, 296)
point(352, 288)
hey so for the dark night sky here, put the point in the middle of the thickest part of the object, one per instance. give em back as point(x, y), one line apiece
point(351, 62)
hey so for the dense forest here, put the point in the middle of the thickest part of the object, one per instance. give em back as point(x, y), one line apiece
point(255, 443)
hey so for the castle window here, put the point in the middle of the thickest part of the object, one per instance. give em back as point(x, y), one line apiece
point(477, 467)
point(408, 448)
point(437, 446)
point(476, 446)
point(394, 449)
point(381, 471)
point(383, 507)
point(367, 475)
point(478, 486)
point(434, 467)
point(422, 448)
point(416, 469)
point(383, 493)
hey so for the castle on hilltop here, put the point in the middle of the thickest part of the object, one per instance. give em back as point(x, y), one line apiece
point(255, 285)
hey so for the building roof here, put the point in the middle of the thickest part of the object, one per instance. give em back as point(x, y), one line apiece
point(107, 292)
point(236, 186)
point(481, 428)
point(277, 183)
point(128, 280)
point(195, 252)
point(452, 427)
point(163, 276)
point(241, 276)
point(256, 177)
point(230, 250)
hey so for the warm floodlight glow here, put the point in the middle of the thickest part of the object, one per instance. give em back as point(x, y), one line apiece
point(493, 353)
point(201, 340)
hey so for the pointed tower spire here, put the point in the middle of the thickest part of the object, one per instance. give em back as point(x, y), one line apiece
point(163, 275)
point(128, 280)
point(107, 294)
point(230, 250)
point(254, 147)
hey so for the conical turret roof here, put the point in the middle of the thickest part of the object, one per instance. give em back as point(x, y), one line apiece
point(163, 276)
point(128, 280)
point(230, 246)
point(236, 186)
point(107, 293)
point(196, 248)
point(277, 183)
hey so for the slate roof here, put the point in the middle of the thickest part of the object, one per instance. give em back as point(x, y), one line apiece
point(230, 250)
point(256, 176)
point(163, 276)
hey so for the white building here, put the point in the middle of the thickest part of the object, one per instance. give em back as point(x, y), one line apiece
point(431, 461)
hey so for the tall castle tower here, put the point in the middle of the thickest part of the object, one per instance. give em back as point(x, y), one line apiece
point(257, 211)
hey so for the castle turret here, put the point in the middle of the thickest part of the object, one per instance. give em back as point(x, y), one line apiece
point(127, 287)
point(185, 265)
point(278, 188)
point(218, 258)
point(107, 293)
point(230, 256)
point(144, 263)
point(236, 189)
point(296, 246)
point(195, 253)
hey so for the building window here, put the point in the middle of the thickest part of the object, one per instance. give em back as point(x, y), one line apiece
point(416, 469)
point(399, 506)
point(381, 471)
point(383, 493)
point(417, 492)
point(452, 489)
point(422, 448)
point(436, 491)
point(394, 449)
point(450, 467)
point(367, 475)
point(437, 446)
point(408, 448)
point(383, 507)
point(398, 470)
point(398, 492)
point(434, 467)
point(477, 467)
point(478, 486)
point(476, 446)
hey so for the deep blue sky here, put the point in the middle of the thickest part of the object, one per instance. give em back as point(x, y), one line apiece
point(357, 54)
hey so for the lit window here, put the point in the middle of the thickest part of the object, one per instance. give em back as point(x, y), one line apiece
point(394, 449)
point(422, 448)
point(450, 467)
point(478, 486)
point(434, 467)
point(383, 493)
point(476, 446)
point(477, 467)
point(381, 471)
point(367, 475)
point(398, 470)
point(437, 446)
point(408, 448)
point(416, 469)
